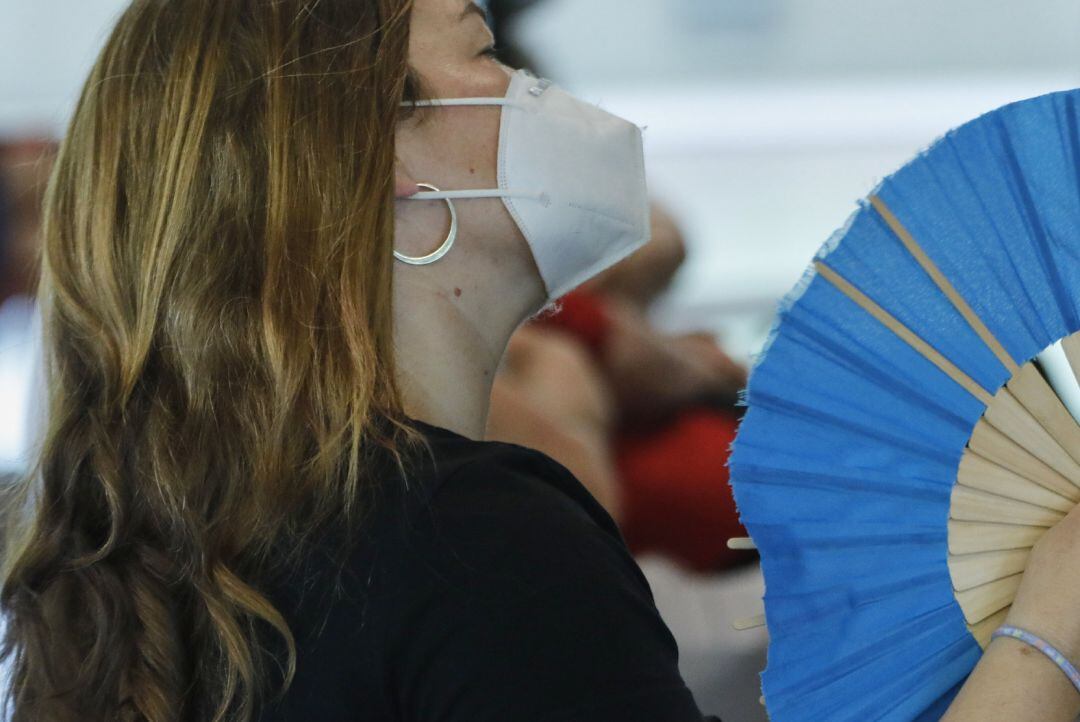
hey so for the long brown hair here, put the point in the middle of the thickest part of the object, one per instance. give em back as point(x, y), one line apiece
point(215, 291)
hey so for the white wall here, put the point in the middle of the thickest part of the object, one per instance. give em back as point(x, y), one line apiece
point(634, 41)
point(46, 49)
point(768, 119)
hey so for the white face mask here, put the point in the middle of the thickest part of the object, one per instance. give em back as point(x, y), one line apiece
point(572, 177)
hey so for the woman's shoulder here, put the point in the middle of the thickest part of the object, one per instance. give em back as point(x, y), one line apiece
point(510, 594)
point(496, 588)
point(501, 481)
point(492, 520)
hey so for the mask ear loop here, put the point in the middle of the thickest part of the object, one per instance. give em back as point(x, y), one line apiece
point(446, 245)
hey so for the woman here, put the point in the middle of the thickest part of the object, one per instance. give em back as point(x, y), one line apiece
point(262, 492)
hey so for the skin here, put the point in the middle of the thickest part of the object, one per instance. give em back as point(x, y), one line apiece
point(1014, 681)
point(454, 319)
point(551, 396)
point(451, 336)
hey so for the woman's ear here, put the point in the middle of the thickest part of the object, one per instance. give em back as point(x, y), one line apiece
point(404, 185)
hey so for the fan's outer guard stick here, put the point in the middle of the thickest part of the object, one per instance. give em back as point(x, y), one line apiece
point(904, 333)
point(944, 284)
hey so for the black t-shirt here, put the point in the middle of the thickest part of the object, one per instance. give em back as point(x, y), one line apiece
point(493, 589)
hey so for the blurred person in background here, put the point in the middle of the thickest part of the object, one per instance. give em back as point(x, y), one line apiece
point(265, 466)
point(24, 167)
point(644, 418)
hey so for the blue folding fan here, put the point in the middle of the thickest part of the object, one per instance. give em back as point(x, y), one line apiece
point(903, 449)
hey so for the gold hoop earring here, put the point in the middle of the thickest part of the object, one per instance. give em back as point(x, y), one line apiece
point(446, 245)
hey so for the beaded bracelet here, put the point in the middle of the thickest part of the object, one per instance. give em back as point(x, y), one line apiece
point(1043, 646)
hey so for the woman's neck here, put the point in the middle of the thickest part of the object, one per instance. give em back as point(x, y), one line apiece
point(448, 348)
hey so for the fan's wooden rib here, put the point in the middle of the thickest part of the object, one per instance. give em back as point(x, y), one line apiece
point(980, 473)
point(973, 570)
point(982, 630)
point(904, 333)
point(974, 505)
point(1000, 449)
point(1038, 397)
point(1038, 423)
point(1026, 383)
point(1009, 416)
point(944, 284)
point(741, 542)
point(741, 625)
point(970, 537)
point(980, 602)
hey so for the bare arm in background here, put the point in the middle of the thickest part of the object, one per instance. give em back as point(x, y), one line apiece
point(550, 396)
point(653, 373)
point(641, 277)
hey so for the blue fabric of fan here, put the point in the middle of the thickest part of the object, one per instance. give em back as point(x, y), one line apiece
point(845, 461)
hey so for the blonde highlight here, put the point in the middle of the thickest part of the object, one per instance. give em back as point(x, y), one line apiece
point(215, 293)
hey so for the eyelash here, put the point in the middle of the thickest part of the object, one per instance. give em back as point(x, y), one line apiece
point(490, 52)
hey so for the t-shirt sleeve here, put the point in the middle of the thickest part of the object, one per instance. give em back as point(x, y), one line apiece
point(515, 604)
